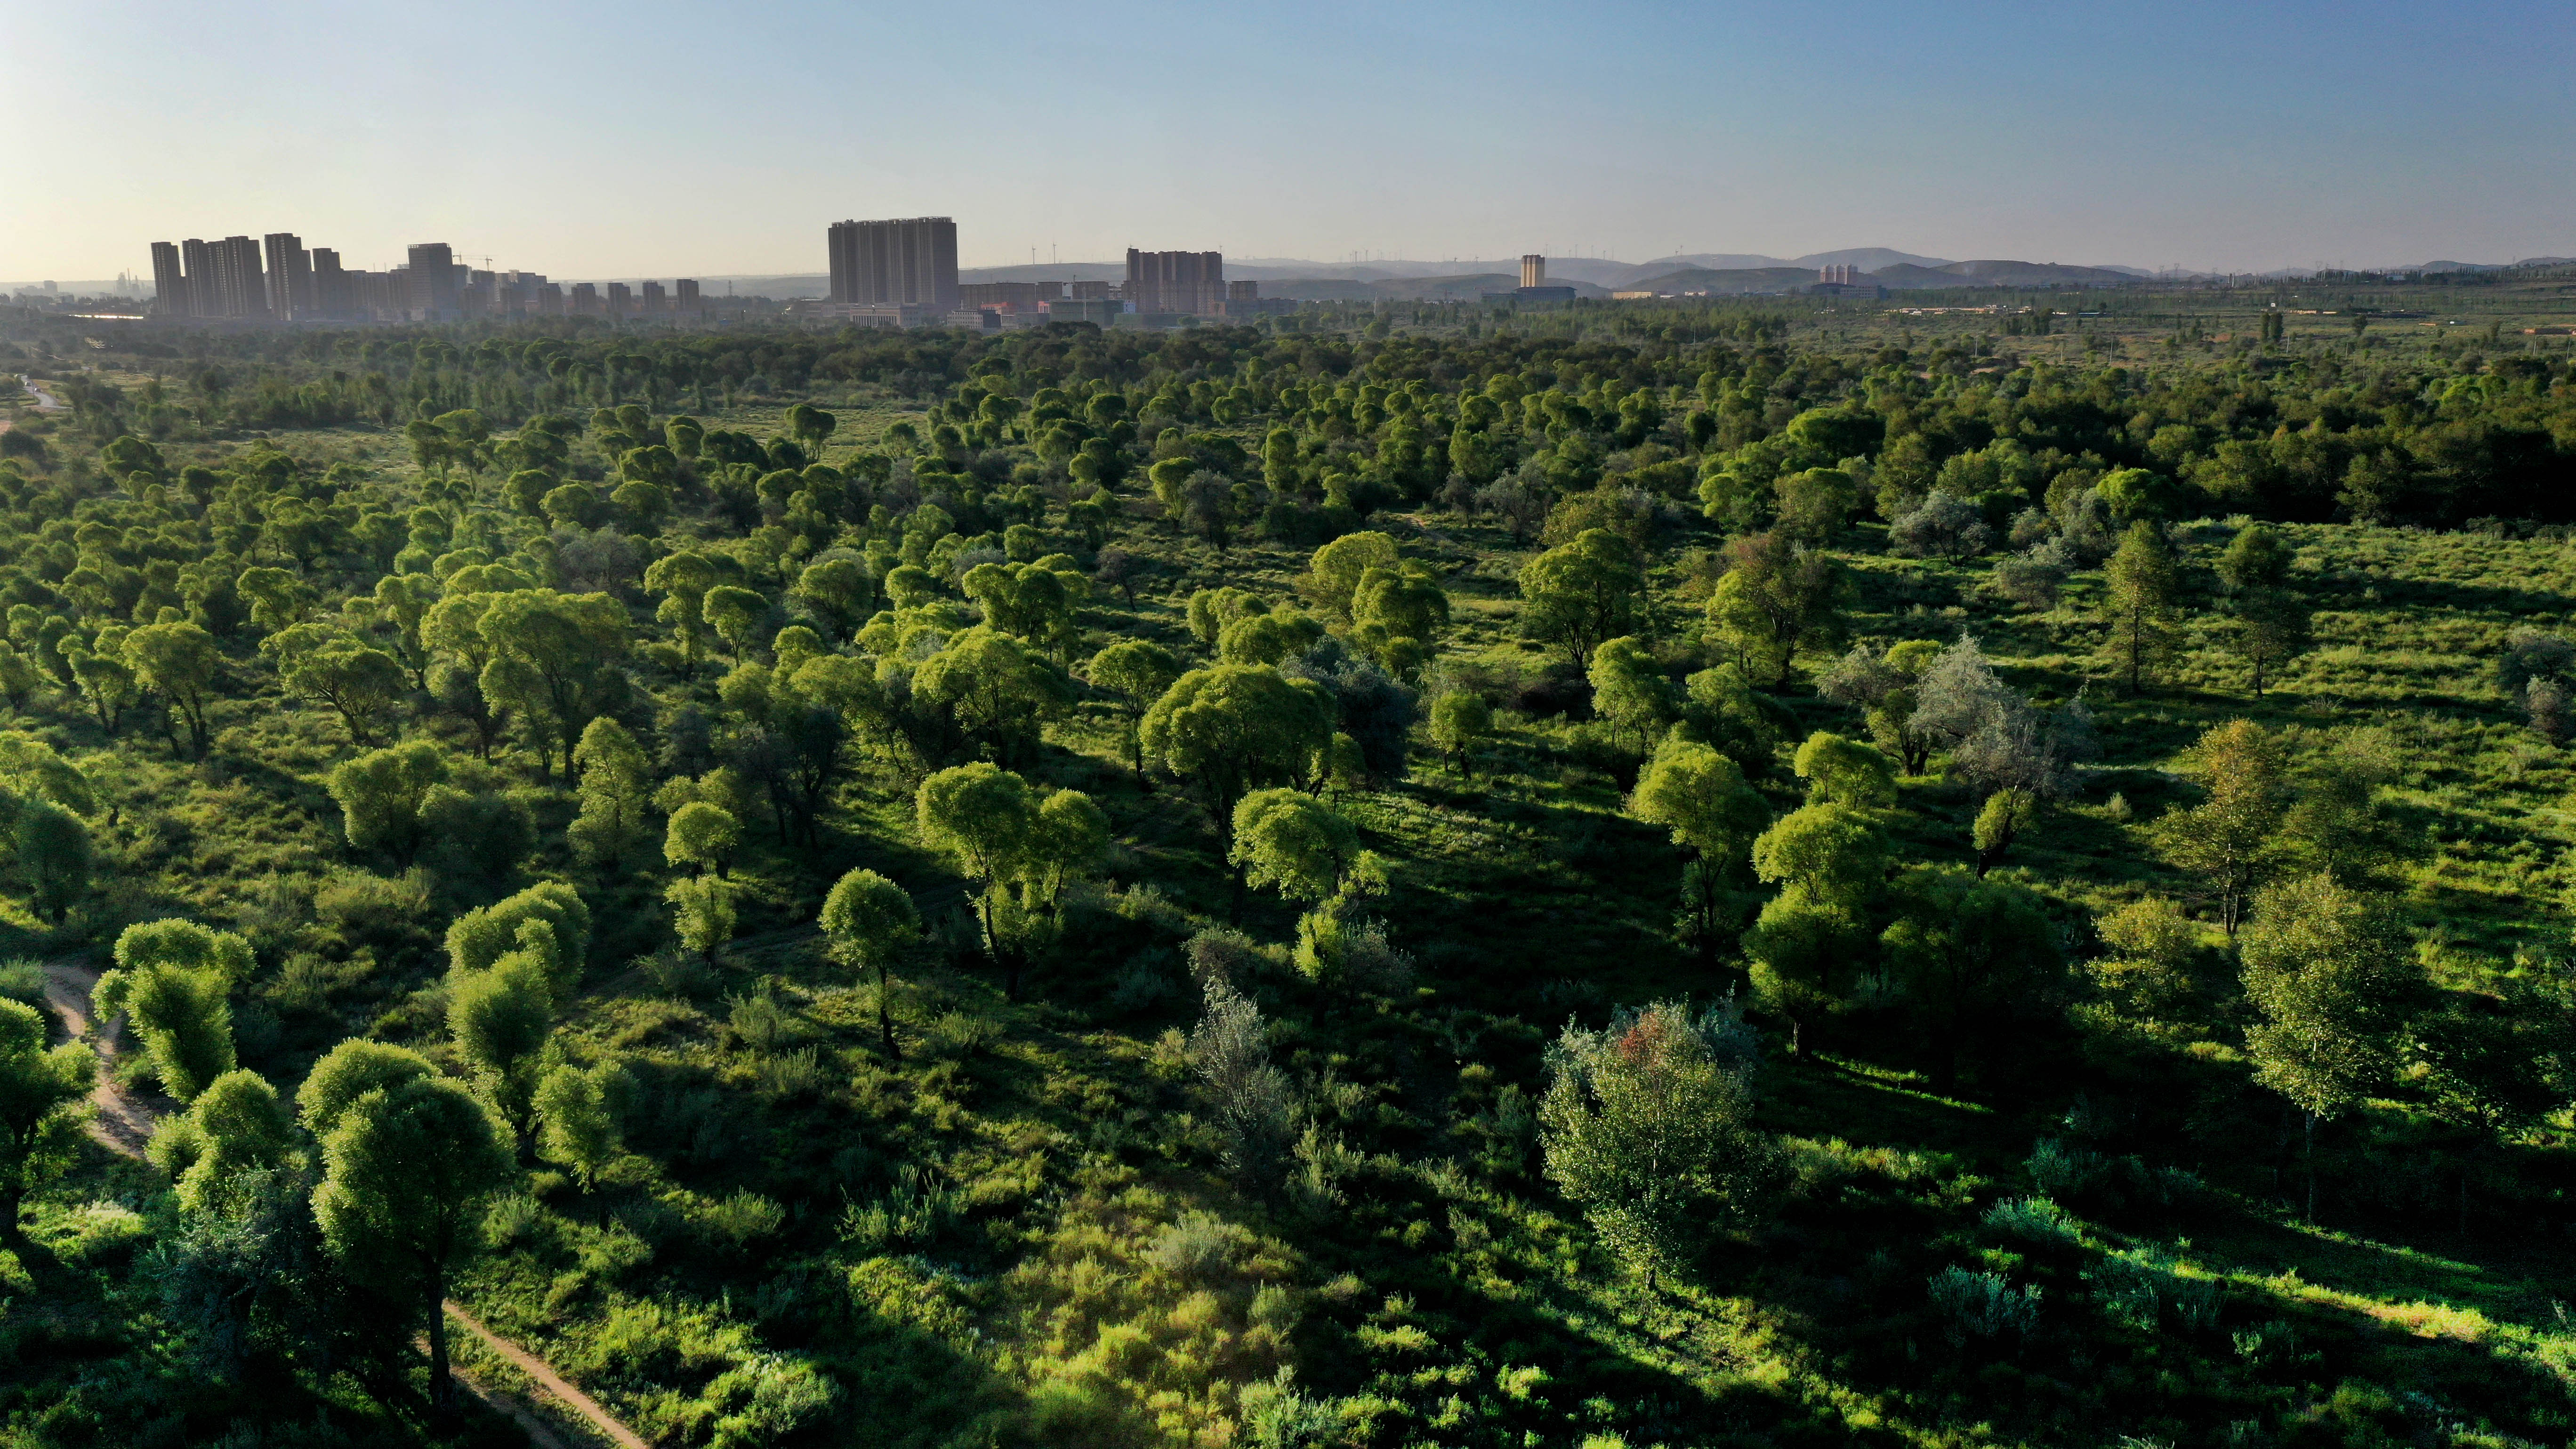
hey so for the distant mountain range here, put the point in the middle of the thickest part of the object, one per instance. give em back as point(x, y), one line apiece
point(1716, 273)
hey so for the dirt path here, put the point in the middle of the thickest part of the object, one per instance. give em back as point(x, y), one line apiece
point(547, 1379)
point(123, 1123)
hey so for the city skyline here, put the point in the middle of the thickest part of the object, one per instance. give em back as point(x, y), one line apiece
point(2225, 140)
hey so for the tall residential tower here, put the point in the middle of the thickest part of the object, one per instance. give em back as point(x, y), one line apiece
point(908, 263)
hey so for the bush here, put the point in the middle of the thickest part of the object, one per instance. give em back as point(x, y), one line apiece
point(796, 1074)
point(372, 910)
point(675, 971)
point(735, 1221)
point(2033, 1219)
point(1942, 526)
point(760, 1023)
point(23, 981)
point(957, 1035)
point(2135, 1286)
point(1982, 1305)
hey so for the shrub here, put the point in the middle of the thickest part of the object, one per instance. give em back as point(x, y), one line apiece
point(512, 1220)
point(2033, 1219)
point(675, 971)
point(762, 1024)
point(911, 1214)
point(2136, 1285)
point(1198, 1248)
point(957, 1035)
point(735, 1221)
point(23, 981)
point(372, 909)
point(1982, 1305)
point(796, 1074)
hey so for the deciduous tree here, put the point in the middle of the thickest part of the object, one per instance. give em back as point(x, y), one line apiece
point(869, 920)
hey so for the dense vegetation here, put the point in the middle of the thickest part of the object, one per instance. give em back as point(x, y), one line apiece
point(1678, 875)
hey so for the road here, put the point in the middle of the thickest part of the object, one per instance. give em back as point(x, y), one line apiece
point(123, 1123)
point(45, 402)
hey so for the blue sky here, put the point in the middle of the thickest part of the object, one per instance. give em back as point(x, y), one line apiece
point(663, 139)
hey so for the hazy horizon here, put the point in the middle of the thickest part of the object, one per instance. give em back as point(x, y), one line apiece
point(585, 141)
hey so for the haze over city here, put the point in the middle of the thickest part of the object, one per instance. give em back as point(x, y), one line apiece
point(607, 141)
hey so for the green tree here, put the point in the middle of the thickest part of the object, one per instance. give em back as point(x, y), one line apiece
point(616, 789)
point(1701, 797)
point(702, 835)
point(172, 979)
point(683, 578)
point(735, 614)
point(2333, 978)
point(238, 1124)
point(2271, 619)
point(42, 1095)
point(349, 1072)
point(869, 921)
point(983, 818)
point(361, 684)
point(55, 857)
point(1459, 720)
point(485, 934)
point(2007, 814)
point(702, 913)
point(1584, 591)
point(810, 426)
point(1829, 861)
point(1630, 693)
point(555, 658)
point(380, 795)
point(278, 599)
point(2141, 591)
point(1969, 952)
point(1237, 727)
point(1845, 772)
point(1333, 575)
point(1289, 839)
point(1649, 1127)
point(1777, 597)
point(499, 1018)
point(2230, 838)
point(408, 1170)
point(838, 591)
point(179, 661)
point(583, 1111)
point(993, 690)
point(1134, 672)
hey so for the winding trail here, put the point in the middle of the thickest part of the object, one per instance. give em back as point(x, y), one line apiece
point(45, 402)
point(123, 1123)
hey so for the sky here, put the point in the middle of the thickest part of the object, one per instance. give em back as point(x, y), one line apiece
point(656, 139)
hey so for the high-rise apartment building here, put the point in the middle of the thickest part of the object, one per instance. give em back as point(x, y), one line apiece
point(1192, 282)
point(199, 257)
point(621, 300)
point(585, 300)
point(653, 298)
point(290, 276)
point(687, 288)
point(331, 295)
point(433, 283)
point(241, 284)
point(169, 281)
point(909, 263)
